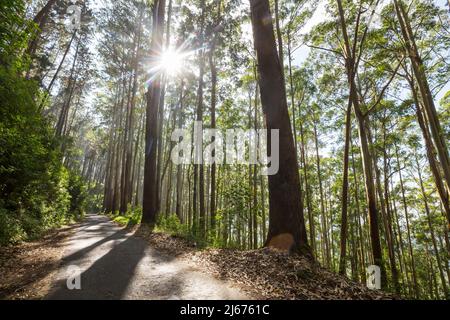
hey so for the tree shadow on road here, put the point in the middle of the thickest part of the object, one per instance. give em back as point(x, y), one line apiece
point(110, 275)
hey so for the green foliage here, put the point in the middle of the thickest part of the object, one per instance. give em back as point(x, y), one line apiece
point(78, 195)
point(11, 230)
point(172, 225)
point(445, 113)
point(36, 191)
point(94, 198)
point(133, 216)
point(13, 39)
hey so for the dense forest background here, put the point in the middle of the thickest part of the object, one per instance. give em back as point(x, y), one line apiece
point(365, 84)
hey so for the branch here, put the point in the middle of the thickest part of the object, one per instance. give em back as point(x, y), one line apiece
point(380, 96)
point(298, 47)
point(358, 19)
point(325, 49)
point(363, 39)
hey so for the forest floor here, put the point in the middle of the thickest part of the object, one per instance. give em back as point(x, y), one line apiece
point(132, 263)
point(26, 269)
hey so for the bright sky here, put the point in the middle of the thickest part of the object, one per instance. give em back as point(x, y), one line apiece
point(302, 53)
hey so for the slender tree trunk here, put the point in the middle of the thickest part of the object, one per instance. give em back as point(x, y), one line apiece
point(401, 253)
point(255, 180)
point(348, 127)
point(386, 222)
point(408, 228)
point(199, 168)
point(107, 204)
point(292, 91)
point(384, 200)
point(55, 76)
point(430, 226)
point(135, 165)
point(279, 37)
point(126, 133)
point(212, 65)
point(169, 190)
point(362, 251)
point(138, 180)
point(365, 150)
point(304, 159)
point(178, 209)
point(326, 241)
point(128, 161)
point(70, 88)
point(107, 182)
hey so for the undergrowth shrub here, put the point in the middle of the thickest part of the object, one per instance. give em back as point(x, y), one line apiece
point(37, 192)
point(133, 216)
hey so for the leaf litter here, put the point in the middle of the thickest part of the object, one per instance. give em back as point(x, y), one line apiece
point(267, 273)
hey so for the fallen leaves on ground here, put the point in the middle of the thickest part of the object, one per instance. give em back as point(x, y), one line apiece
point(25, 268)
point(266, 273)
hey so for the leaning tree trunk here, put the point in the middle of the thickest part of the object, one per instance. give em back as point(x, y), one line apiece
point(286, 222)
point(55, 76)
point(70, 88)
point(431, 152)
point(424, 89)
point(40, 20)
